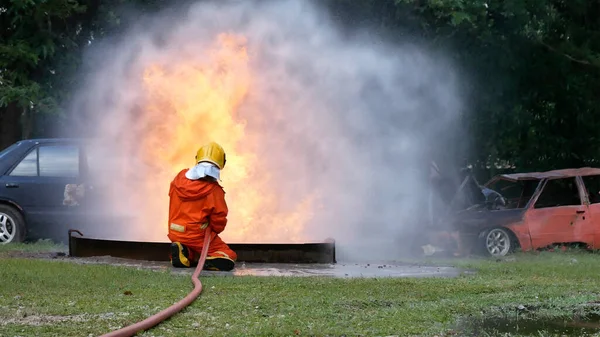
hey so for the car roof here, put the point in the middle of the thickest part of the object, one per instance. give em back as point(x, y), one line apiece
point(53, 140)
point(563, 173)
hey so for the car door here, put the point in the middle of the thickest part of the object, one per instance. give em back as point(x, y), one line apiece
point(556, 214)
point(592, 216)
point(19, 182)
point(41, 179)
point(92, 216)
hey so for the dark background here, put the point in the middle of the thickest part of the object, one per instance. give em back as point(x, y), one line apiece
point(532, 67)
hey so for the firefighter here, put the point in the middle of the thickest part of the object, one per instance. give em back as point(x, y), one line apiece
point(197, 201)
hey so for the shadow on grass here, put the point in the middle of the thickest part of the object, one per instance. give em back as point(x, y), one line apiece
point(40, 246)
point(525, 321)
point(557, 251)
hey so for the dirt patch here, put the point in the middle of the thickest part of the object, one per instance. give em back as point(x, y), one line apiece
point(38, 320)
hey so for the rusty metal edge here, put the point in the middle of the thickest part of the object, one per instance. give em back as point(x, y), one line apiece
point(247, 252)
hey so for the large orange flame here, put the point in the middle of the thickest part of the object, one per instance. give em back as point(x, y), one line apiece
point(194, 102)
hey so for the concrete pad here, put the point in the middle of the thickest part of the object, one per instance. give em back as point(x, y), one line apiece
point(340, 270)
point(346, 270)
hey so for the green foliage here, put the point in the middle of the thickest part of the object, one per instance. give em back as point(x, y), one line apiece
point(533, 66)
point(32, 33)
point(537, 67)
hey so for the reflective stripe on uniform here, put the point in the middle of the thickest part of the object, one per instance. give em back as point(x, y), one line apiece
point(221, 252)
point(177, 228)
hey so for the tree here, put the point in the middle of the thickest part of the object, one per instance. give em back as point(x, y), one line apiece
point(533, 66)
point(539, 64)
point(32, 34)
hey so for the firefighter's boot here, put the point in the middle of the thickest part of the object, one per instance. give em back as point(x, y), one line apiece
point(181, 256)
point(219, 261)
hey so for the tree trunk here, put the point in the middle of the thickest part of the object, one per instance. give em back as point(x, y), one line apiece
point(10, 125)
point(27, 123)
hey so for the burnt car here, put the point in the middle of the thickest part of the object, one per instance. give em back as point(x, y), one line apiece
point(45, 189)
point(530, 211)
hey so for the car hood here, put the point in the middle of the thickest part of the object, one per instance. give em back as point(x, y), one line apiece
point(481, 219)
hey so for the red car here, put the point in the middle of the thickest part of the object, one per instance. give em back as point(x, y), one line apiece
point(532, 211)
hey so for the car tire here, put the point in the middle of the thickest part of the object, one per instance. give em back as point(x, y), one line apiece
point(497, 242)
point(12, 225)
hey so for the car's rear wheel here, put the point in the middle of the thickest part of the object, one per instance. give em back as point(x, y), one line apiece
point(497, 242)
point(12, 225)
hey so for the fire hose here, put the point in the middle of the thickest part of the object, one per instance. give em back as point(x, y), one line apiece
point(155, 319)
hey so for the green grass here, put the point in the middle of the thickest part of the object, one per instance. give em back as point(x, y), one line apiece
point(56, 298)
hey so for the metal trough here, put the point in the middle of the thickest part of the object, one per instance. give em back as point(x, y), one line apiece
point(247, 252)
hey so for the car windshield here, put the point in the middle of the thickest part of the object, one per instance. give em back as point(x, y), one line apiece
point(516, 193)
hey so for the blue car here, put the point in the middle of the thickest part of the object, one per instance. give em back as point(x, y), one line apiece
point(42, 190)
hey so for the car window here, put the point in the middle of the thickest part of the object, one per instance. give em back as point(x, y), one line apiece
point(592, 184)
point(27, 167)
point(559, 192)
point(59, 161)
point(102, 162)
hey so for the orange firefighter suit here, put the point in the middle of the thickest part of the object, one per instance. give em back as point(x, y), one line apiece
point(194, 205)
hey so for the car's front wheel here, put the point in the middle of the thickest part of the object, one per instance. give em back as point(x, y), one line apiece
point(12, 225)
point(497, 242)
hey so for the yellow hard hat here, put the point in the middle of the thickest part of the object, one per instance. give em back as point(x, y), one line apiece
point(212, 153)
